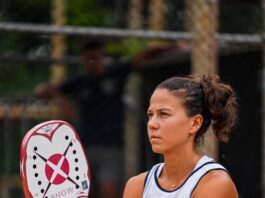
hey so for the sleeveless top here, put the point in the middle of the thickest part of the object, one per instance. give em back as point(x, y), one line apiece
point(152, 189)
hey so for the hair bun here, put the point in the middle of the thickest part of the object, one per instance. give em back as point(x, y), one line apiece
point(220, 102)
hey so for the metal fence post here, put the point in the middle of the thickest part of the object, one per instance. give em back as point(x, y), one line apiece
point(203, 18)
point(58, 42)
point(263, 104)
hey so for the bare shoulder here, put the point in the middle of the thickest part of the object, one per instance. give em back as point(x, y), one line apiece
point(216, 183)
point(135, 186)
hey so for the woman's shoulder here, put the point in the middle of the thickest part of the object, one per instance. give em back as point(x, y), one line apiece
point(216, 183)
point(135, 186)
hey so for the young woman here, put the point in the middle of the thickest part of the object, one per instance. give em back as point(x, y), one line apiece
point(181, 110)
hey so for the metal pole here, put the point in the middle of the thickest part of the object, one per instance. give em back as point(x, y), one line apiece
point(204, 48)
point(263, 104)
point(92, 31)
point(132, 131)
point(249, 39)
point(156, 16)
point(58, 42)
point(135, 17)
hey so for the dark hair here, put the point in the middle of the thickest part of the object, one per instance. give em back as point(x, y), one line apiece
point(215, 101)
point(91, 45)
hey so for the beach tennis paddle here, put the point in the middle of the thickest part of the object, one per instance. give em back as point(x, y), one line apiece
point(53, 162)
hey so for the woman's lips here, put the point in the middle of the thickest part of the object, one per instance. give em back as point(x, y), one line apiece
point(154, 138)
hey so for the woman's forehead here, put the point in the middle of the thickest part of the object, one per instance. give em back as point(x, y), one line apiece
point(162, 93)
point(163, 98)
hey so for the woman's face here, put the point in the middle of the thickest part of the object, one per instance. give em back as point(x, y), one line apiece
point(93, 61)
point(169, 127)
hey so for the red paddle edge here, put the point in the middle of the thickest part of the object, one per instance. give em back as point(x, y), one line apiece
point(23, 154)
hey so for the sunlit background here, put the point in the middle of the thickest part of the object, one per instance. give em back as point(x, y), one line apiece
point(41, 41)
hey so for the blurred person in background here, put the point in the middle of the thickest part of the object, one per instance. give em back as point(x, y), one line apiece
point(97, 96)
point(181, 110)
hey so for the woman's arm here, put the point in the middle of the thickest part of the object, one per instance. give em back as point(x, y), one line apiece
point(135, 187)
point(217, 184)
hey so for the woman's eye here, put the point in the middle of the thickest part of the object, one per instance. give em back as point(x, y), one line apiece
point(163, 114)
point(149, 115)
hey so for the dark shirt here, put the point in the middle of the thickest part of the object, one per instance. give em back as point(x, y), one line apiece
point(100, 105)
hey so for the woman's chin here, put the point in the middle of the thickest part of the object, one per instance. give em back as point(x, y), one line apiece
point(157, 149)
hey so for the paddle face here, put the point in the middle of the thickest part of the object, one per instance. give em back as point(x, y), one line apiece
point(53, 163)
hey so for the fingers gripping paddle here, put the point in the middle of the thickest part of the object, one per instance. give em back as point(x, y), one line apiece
point(53, 163)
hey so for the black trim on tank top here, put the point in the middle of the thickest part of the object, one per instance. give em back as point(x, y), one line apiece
point(148, 173)
point(158, 185)
point(204, 175)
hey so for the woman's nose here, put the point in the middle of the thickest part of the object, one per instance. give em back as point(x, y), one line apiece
point(153, 123)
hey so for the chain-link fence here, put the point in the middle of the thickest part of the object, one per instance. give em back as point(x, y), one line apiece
point(143, 43)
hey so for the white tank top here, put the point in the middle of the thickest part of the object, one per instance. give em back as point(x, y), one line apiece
point(152, 189)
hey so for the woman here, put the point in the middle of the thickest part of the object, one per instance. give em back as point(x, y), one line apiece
point(181, 110)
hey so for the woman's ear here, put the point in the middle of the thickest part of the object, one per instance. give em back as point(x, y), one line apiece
point(196, 123)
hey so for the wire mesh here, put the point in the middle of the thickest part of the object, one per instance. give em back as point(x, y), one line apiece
point(194, 45)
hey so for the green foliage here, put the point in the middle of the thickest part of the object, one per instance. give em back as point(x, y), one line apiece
point(26, 11)
point(88, 13)
point(240, 18)
point(234, 18)
point(10, 42)
point(20, 79)
point(125, 47)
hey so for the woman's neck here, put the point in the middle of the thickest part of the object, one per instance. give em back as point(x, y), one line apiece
point(178, 166)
